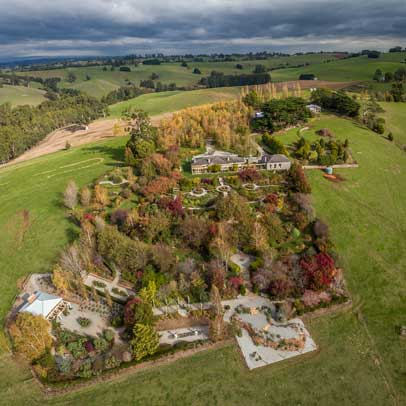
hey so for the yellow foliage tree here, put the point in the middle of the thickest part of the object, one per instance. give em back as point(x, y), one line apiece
point(31, 335)
point(101, 195)
point(61, 279)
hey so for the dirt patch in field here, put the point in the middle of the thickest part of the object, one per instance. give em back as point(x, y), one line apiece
point(79, 135)
point(334, 178)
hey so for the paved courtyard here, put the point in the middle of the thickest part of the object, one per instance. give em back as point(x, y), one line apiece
point(98, 322)
point(260, 355)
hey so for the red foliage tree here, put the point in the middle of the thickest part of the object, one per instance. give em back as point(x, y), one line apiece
point(159, 186)
point(319, 271)
point(249, 175)
point(235, 282)
point(299, 178)
point(217, 275)
point(175, 206)
point(129, 311)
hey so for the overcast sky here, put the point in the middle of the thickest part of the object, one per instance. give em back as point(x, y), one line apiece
point(114, 27)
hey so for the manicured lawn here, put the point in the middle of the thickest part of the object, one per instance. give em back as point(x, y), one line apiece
point(20, 95)
point(361, 359)
point(157, 103)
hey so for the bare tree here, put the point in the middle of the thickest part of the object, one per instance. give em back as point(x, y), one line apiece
point(71, 260)
point(70, 196)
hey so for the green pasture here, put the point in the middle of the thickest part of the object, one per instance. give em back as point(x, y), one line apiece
point(20, 95)
point(163, 102)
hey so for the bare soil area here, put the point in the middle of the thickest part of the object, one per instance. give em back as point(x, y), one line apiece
point(77, 135)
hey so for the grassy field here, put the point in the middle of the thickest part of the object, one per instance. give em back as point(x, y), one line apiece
point(361, 361)
point(101, 82)
point(395, 116)
point(157, 103)
point(20, 95)
point(353, 69)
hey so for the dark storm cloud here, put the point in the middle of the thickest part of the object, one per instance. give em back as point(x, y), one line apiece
point(120, 26)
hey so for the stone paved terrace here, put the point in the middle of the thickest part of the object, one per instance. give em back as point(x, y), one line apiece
point(257, 355)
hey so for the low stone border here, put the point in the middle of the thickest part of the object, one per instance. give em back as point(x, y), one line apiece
point(193, 193)
point(114, 375)
point(109, 182)
point(250, 186)
point(226, 188)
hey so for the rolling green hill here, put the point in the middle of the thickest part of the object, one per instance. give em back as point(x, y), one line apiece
point(103, 81)
point(20, 95)
point(157, 103)
point(354, 69)
point(361, 358)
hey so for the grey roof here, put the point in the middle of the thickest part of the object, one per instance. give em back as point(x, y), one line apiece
point(274, 159)
point(41, 304)
point(217, 160)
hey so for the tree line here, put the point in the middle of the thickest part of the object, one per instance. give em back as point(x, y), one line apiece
point(219, 79)
point(24, 126)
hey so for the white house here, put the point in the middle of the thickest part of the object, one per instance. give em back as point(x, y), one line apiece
point(314, 108)
point(44, 304)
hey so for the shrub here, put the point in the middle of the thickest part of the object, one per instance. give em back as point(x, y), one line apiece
point(77, 349)
point(65, 365)
point(101, 344)
point(83, 321)
point(108, 335)
point(234, 268)
point(111, 362)
point(99, 284)
point(85, 371)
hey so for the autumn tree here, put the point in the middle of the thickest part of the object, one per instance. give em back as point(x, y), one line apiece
point(101, 195)
point(60, 279)
point(216, 327)
point(70, 195)
point(136, 310)
point(299, 179)
point(193, 231)
point(31, 335)
point(221, 245)
point(85, 196)
point(71, 260)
